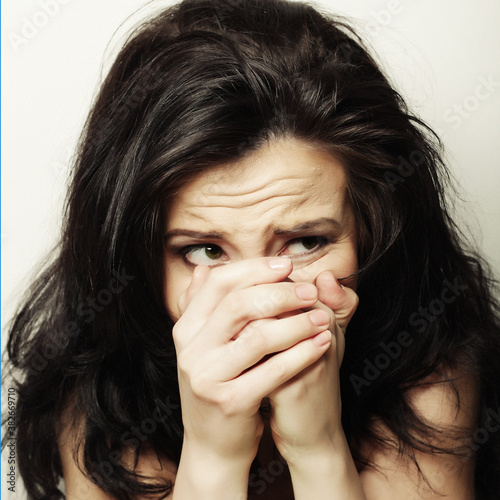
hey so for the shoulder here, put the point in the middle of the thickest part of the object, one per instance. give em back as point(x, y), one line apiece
point(78, 486)
point(447, 402)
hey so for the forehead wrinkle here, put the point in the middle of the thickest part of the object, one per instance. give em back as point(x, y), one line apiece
point(285, 217)
point(283, 208)
point(254, 195)
point(241, 204)
point(263, 194)
point(242, 182)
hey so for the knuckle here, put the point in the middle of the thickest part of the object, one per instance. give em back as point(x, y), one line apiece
point(277, 369)
point(333, 318)
point(201, 386)
point(270, 302)
point(253, 339)
point(236, 307)
point(183, 362)
point(177, 331)
point(263, 306)
point(279, 296)
point(235, 303)
point(229, 403)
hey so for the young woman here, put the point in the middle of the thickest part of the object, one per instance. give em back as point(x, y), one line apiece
point(259, 291)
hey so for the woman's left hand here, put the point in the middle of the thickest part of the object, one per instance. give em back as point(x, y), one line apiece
point(306, 410)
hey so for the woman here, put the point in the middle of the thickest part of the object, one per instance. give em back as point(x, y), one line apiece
point(249, 189)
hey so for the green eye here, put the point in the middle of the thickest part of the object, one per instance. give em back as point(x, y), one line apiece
point(310, 242)
point(204, 255)
point(304, 246)
point(213, 252)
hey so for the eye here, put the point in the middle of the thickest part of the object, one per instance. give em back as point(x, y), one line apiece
point(305, 245)
point(204, 255)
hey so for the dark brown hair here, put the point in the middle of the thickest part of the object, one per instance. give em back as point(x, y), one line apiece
point(204, 83)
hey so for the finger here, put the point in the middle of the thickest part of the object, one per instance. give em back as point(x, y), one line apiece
point(281, 367)
point(259, 322)
point(342, 300)
point(240, 307)
point(337, 331)
point(269, 337)
point(224, 279)
point(200, 274)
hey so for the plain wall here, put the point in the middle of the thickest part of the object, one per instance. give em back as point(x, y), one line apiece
point(444, 56)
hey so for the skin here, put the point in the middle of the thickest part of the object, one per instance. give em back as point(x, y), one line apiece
point(287, 200)
point(247, 330)
point(280, 186)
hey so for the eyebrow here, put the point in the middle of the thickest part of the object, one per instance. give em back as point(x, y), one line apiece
point(216, 235)
point(307, 225)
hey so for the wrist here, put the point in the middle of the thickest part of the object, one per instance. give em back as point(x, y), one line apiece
point(203, 473)
point(329, 455)
point(325, 472)
point(329, 443)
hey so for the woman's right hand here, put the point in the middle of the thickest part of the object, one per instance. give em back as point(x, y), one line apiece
point(220, 341)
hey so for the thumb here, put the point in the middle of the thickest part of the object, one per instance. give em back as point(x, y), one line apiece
point(199, 277)
point(342, 300)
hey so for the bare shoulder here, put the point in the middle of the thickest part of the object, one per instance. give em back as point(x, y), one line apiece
point(447, 401)
point(80, 487)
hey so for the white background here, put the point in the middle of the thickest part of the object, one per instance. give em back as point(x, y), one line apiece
point(437, 53)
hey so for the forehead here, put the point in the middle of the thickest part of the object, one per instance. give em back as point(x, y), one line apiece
point(286, 180)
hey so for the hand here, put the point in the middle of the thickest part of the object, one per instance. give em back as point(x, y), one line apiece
point(306, 410)
point(220, 341)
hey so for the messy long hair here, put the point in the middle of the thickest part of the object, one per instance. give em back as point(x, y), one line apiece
point(202, 84)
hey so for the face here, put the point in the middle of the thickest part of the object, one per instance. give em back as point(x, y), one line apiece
point(287, 199)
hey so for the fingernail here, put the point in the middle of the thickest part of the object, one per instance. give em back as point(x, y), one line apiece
point(326, 276)
point(322, 338)
point(319, 317)
point(279, 263)
point(306, 291)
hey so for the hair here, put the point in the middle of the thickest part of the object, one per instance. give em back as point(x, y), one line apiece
point(202, 84)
